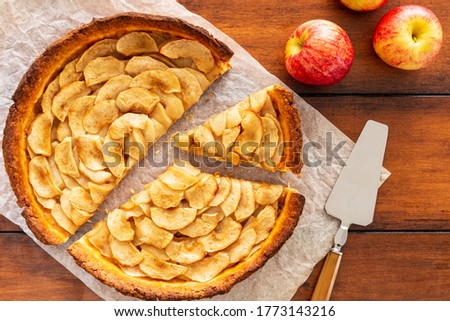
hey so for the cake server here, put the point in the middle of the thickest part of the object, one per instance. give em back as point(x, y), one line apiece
point(353, 198)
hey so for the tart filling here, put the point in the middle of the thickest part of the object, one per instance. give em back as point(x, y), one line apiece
point(190, 230)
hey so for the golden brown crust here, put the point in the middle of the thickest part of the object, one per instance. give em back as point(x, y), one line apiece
point(44, 69)
point(109, 273)
point(289, 118)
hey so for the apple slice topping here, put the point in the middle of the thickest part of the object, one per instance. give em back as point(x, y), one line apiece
point(136, 43)
point(184, 48)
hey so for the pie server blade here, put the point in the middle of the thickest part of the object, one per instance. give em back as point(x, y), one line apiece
point(353, 197)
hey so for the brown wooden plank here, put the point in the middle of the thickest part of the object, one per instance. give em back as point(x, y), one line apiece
point(263, 27)
point(416, 196)
point(7, 226)
point(374, 267)
point(390, 267)
point(27, 272)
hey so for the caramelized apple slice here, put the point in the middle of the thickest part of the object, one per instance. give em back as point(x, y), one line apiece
point(113, 87)
point(139, 64)
point(100, 192)
point(137, 100)
point(224, 189)
point(190, 87)
point(79, 217)
point(118, 225)
point(81, 199)
point(270, 136)
point(66, 96)
point(246, 205)
point(64, 158)
point(89, 149)
point(206, 269)
point(47, 97)
point(102, 69)
point(224, 235)
point(267, 193)
point(101, 48)
point(218, 124)
point(262, 224)
point(63, 220)
point(157, 80)
point(231, 202)
point(99, 238)
point(201, 194)
point(41, 178)
point(39, 139)
point(76, 114)
point(69, 74)
point(136, 43)
point(184, 48)
point(172, 105)
point(233, 117)
point(159, 269)
point(113, 156)
point(202, 225)
point(100, 115)
point(242, 247)
point(160, 115)
point(164, 196)
point(178, 178)
point(229, 136)
point(251, 135)
point(185, 251)
point(125, 124)
point(173, 219)
point(98, 177)
point(149, 233)
point(156, 252)
point(125, 252)
point(202, 80)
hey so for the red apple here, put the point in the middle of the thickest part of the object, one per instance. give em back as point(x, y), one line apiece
point(319, 52)
point(363, 5)
point(408, 37)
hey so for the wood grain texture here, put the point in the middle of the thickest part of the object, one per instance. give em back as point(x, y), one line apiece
point(404, 253)
point(29, 273)
point(325, 282)
point(390, 267)
point(7, 226)
point(263, 27)
point(374, 267)
point(416, 196)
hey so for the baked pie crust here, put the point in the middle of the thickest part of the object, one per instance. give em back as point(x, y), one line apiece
point(215, 232)
point(131, 74)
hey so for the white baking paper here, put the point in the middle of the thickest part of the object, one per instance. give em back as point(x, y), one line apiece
point(28, 27)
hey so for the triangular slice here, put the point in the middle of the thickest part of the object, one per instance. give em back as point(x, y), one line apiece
point(92, 104)
point(215, 232)
point(264, 130)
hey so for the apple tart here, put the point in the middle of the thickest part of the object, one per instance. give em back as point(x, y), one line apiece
point(264, 130)
point(90, 106)
point(189, 235)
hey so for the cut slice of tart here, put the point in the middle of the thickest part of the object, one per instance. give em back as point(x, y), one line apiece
point(90, 106)
point(189, 235)
point(264, 130)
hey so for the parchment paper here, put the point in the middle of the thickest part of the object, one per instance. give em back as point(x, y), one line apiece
point(27, 28)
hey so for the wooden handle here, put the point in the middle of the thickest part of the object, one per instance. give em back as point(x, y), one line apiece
point(324, 285)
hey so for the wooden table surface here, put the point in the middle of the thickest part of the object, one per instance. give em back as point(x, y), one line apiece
point(405, 253)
